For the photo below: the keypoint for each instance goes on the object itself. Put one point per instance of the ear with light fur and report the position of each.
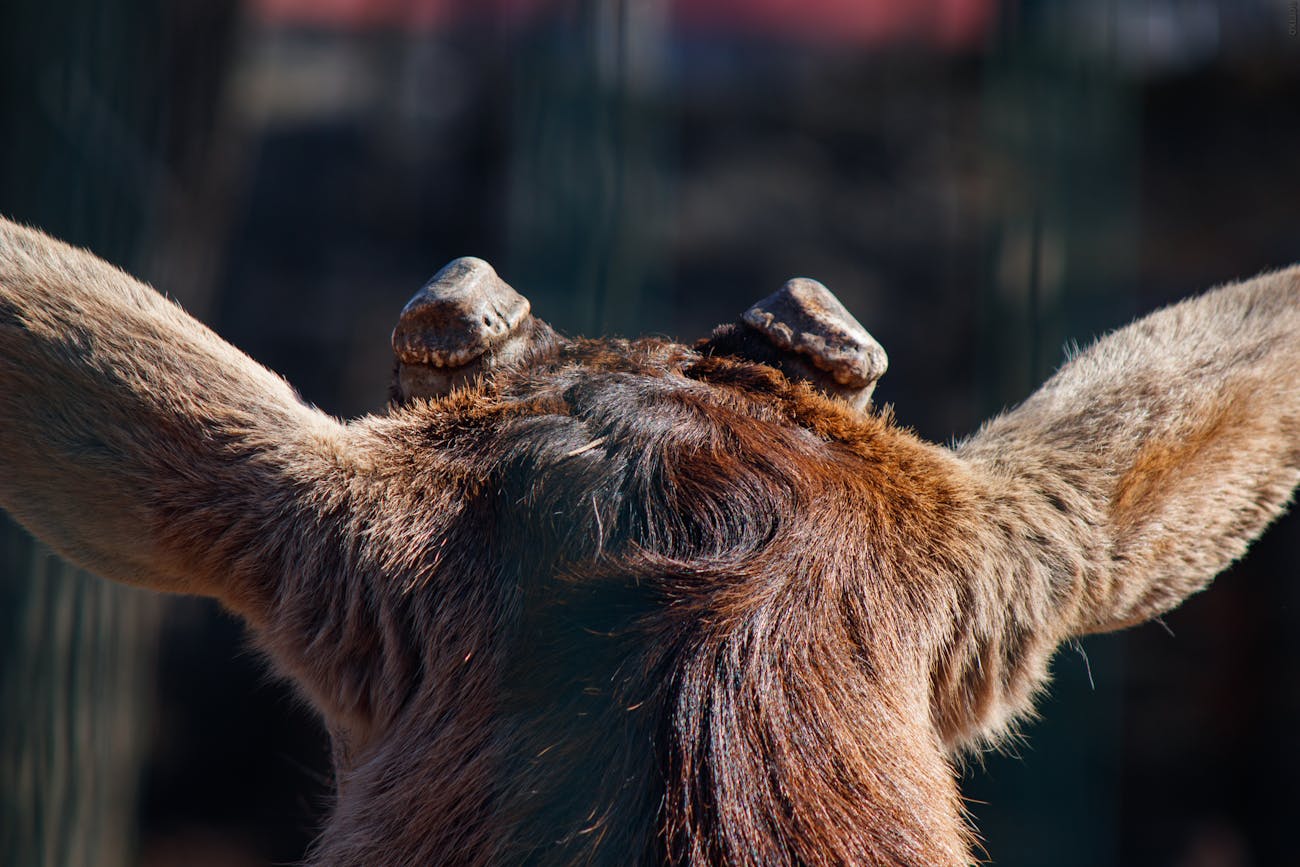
(1143, 468)
(143, 447)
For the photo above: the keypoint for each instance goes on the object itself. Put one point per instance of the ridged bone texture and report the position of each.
(617, 602)
(465, 322)
(804, 319)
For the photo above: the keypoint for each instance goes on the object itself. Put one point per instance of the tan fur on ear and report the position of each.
(1127, 482)
(118, 410)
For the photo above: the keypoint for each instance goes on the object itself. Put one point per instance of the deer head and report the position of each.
(642, 601)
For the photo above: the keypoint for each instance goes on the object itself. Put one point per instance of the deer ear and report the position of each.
(143, 447)
(462, 324)
(1141, 469)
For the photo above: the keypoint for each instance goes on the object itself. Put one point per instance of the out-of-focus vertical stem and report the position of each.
(74, 652)
(80, 90)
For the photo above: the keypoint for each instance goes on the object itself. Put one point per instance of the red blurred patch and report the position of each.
(946, 23)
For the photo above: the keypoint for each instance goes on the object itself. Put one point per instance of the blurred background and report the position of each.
(980, 181)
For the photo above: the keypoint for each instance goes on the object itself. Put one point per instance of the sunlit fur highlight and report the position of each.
(637, 602)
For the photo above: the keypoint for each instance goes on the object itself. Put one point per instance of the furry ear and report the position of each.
(142, 446)
(1145, 466)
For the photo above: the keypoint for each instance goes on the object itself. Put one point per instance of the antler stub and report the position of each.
(463, 312)
(465, 321)
(803, 317)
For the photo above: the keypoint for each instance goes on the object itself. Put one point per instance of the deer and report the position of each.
(634, 601)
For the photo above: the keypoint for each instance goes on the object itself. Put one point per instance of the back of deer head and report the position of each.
(610, 601)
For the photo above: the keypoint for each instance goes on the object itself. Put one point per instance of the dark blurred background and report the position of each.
(980, 181)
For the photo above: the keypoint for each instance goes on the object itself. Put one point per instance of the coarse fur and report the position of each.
(637, 602)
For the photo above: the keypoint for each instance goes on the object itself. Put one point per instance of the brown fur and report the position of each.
(636, 602)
